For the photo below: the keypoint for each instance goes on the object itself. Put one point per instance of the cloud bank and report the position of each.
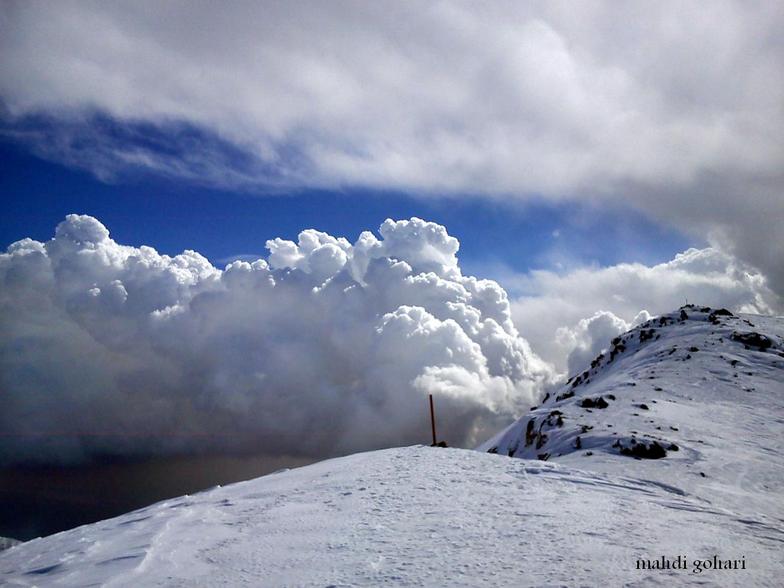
(592, 335)
(586, 307)
(665, 106)
(325, 347)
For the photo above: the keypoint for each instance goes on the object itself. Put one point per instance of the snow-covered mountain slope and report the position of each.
(705, 382)
(6, 542)
(415, 516)
(692, 399)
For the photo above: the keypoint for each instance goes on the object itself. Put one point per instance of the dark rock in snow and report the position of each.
(594, 403)
(646, 335)
(529, 432)
(753, 339)
(713, 317)
(642, 450)
(564, 396)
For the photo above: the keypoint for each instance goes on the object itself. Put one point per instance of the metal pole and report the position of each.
(432, 419)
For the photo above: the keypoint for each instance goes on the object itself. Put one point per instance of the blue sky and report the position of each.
(173, 215)
(505, 122)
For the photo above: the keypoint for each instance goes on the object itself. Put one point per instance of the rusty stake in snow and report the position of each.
(433, 421)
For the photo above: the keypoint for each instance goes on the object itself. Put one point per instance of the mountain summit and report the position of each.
(657, 465)
(693, 398)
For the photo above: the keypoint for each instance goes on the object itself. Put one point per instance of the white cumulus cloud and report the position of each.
(569, 317)
(324, 347)
(590, 336)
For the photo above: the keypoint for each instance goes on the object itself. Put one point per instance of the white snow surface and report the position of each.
(6, 542)
(687, 384)
(421, 516)
(415, 516)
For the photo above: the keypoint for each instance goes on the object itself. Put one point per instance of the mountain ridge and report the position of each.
(693, 390)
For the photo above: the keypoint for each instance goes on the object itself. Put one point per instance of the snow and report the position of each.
(720, 402)
(421, 516)
(414, 516)
(6, 542)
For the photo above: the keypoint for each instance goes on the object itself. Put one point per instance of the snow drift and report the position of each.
(324, 347)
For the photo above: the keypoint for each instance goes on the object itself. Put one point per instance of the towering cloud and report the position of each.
(324, 347)
(591, 335)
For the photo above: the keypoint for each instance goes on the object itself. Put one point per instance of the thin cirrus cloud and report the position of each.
(672, 108)
(324, 347)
